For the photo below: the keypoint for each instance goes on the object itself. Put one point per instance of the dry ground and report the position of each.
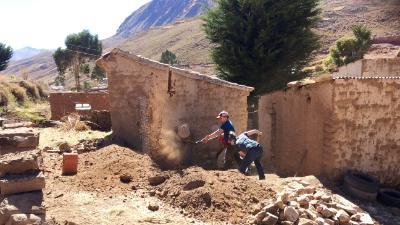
(96, 194)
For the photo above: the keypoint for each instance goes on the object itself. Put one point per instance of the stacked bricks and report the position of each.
(21, 179)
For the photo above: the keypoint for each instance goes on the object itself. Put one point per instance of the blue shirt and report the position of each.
(243, 142)
(227, 126)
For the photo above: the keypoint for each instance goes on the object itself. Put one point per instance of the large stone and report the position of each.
(17, 140)
(20, 162)
(24, 219)
(291, 214)
(260, 216)
(306, 190)
(304, 200)
(320, 221)
(303, 221)
(269, 219)
(271, 208)
(343, 217)
(365, 219)
(157, 180)
(328, 212)
(348, 209)
(26, 203)
(311, 214)
(12, 184)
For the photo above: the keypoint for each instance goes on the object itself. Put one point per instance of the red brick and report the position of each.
(70, 164)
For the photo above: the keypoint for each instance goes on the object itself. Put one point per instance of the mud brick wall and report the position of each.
(63, 104)
(150, 100)
(387, 67)
(292, 122)
(330, 127)
(366, 127)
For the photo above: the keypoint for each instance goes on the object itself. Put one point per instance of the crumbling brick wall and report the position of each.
(150, 100)
(63, 103)
(330, 127)
(382, 67)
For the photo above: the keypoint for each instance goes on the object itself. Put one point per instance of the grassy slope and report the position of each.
(187, 39)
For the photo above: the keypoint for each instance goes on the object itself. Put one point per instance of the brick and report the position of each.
(18, 140)
(20, 162)
(12, 184)
(70, 164)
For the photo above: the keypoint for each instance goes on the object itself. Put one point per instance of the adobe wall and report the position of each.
(292, 122)
(150, 100)
(63, 104)
(366, 127)
(385, 67)
(327, 128)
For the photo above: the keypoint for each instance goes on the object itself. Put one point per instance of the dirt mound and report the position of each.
(209, 195)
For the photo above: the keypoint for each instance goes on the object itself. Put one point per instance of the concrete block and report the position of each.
(19, 162)
(24, 219)
(18, 140)
(11, 184)
(26, 203)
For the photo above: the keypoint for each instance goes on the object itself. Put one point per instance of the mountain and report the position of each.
(26, 52)
(187, 39)
(161, 12)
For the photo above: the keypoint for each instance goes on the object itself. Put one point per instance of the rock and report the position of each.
(348, 209)
(157, 180)
(153, 207)
(24, 219)
(313, 202)
(303, 221)
(284, 197)
(294, 204)
(287, 223)
(326, 198)
(271, 208)
(295, 185)
(329, 221)
(304, 200)
(343, 217)
(269, 219)
(290, 214)
(260, 216)
(328, 212)
(318, 195)
(353, 223)
(279, 204)
(305, 190)
(64, 147)
(365, 219)
(126, 179)
(320, 221)
(311, 214)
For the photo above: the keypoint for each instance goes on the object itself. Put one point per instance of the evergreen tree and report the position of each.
(98, 73)
(6, 53)
(168, 57)
(80, 47)
(262, 43)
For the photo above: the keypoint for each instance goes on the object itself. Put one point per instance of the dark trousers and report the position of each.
(253, 155)
(231, 157)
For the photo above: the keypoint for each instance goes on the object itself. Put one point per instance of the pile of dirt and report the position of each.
(208, 195)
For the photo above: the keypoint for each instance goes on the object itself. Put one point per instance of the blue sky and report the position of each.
(46, 23)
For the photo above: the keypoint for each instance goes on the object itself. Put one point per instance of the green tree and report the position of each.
(85, 69)
(349, 49)
(6, 53)
(98, 73)
(80, 47)
(262, 43)
(168, 57)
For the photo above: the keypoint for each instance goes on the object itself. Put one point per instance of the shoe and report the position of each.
(261, 178)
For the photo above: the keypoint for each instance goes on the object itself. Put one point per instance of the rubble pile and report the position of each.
(304, 204)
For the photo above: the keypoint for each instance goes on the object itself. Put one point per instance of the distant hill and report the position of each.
(188, 41)
(161, 12)
(26, 52)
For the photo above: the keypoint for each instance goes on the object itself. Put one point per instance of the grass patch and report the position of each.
(34, 112)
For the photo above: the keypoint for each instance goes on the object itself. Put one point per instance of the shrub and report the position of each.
(350, 49)
(31, 90)
(19, 93)
(42, 92)
(4, 97)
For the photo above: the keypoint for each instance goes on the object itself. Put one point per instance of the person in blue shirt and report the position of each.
(250, 149)
(222, 134)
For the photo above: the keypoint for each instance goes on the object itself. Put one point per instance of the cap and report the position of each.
(223, 113)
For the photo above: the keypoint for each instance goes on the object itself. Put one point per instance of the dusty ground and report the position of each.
(96, 195)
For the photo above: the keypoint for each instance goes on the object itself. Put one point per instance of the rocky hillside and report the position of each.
(161, 12)
(188, 41)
